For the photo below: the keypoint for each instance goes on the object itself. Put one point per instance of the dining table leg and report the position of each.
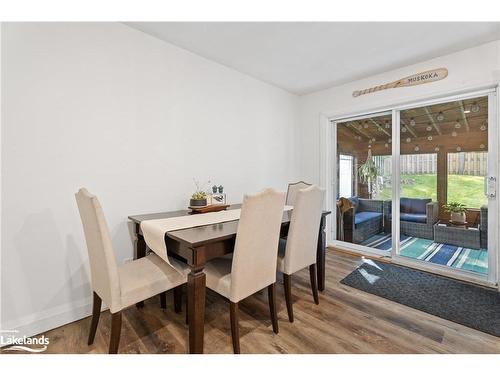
(140, 252)
(196, 309)
(320, 254)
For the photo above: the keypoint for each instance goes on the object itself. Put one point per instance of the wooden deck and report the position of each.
(346, 321)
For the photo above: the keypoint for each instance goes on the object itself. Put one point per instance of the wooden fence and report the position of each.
(468, 163)
(461, 163)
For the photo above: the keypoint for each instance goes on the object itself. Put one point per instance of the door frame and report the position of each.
(328, 178)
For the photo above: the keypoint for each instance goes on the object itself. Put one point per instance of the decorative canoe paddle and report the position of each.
(416, 79)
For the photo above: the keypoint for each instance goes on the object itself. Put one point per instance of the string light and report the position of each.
(385, 124)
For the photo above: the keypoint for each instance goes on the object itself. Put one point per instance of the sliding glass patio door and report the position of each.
(425, 175)
(445, 163)
(364, 181)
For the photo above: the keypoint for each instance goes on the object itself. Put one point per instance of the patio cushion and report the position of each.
(414, 205)
(355, 202)
(405, 204)
(365, 216)
(415, 218)
(418, 206)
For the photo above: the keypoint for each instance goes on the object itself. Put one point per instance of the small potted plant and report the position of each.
(457, 212)
(198, 199)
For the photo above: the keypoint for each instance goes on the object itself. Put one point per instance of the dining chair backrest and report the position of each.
(293, 189)
(302, 239)
(103, 266)
(256, 247)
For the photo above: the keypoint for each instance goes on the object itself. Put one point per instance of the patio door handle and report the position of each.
(491, 187)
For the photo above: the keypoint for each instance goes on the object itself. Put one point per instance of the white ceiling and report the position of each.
(302, 57)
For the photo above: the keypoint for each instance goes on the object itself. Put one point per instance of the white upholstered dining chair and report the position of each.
(298, 250)
(120, 286)
(292, 191)
(253, 265)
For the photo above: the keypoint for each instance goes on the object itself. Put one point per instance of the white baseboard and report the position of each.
(40, 322)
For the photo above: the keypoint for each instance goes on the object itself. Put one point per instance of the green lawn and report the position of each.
(468, 190)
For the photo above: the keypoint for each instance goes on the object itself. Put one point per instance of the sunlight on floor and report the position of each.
(372, 279)
(371, 263)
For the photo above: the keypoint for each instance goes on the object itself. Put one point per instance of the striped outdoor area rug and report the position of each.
(475, 260)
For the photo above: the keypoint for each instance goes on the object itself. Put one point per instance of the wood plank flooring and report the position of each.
(346, 321)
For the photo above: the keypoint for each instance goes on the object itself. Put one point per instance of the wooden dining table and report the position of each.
(198, 245)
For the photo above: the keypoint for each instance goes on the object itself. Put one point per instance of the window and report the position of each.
(346, 168)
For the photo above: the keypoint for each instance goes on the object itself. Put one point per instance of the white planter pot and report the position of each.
(457, 217)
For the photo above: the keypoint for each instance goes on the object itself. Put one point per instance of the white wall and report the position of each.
(471, 68)
(133, 119)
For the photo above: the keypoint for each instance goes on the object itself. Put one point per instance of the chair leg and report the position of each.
(287, 281)
(187, 314)
(116, 328)
(235, 330)
(314, 283)
(96, 312)
(271, 292)
(163, 300)
(178, 299)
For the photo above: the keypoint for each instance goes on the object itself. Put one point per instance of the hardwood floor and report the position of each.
(345, 321)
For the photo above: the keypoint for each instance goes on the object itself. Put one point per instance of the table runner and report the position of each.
(154, 230)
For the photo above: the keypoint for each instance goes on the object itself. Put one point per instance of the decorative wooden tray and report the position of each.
(209, 208)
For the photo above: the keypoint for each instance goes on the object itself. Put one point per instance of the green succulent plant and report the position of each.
(200, 192)
(199, 195)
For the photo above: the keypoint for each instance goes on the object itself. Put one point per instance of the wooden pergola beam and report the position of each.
(344, 131)
(380, 127)
(469, 142)
(408, 128)
(359, 131)
(431, 119)
(464, 118)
